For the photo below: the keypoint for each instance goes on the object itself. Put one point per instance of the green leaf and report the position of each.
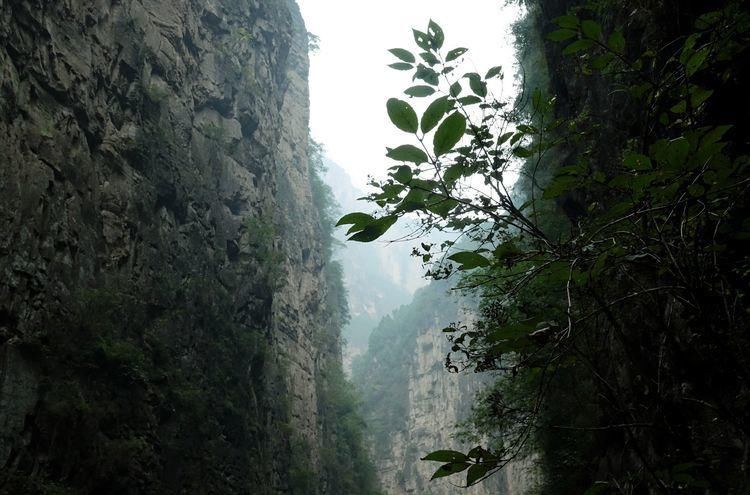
(636, 161)
(420, 91)
(434, 113)
(521, 152)
(441, 205)
(504, 137)
(494, 72)
(453, 172)
(449, 469)
(436, 32)
(475, 473)
(401, 66)
(455, 53)
(591, 29)
(601, 61)
(507, 250)
(455, 89)
(445, 456)
(427, 75)
(407, 153)
(560, 184)
(577, 46)
(714, 135)
(695, 62)
(708, 19)
(403, 55)
(449, 133)
(469, 260)
(469, 100)
(355, 218)
(672, 153)
(478, 86)
(567, 21)
(402, 174)
(598, 488)
(616, 42)
(402, 115)
(422, 40)
(699, 95)
(696, 190)
(374, 230)
(429, 58)
(562, 35)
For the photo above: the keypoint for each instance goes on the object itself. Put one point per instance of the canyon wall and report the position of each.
(414, 406)
(163, 325)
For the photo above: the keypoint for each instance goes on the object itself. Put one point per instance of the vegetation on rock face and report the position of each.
(159, 388)
(346, 465)
(382, 371)
(614, 276)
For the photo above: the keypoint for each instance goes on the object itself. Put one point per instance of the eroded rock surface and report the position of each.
(155, 162)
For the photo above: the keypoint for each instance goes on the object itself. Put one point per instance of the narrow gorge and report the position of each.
(542, 290)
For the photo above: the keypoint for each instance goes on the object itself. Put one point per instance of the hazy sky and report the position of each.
(349, 80)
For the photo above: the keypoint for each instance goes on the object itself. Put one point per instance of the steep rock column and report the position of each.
(157, 245)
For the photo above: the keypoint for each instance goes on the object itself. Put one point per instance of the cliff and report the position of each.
(414, 406)
(163, 317)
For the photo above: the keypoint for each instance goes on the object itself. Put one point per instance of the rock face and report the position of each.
(161, 280)
(414, 406)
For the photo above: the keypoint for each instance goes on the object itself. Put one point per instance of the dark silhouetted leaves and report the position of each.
(434, 113)
(403, 55)
(469, 260)
(455, 53)
(420, 91)
(402, 115)
(407, 153)
(449, 133)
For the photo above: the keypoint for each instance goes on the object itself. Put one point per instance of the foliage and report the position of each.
(124, 369)
(624, 276)
(345, 463)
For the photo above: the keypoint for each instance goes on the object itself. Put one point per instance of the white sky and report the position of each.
(349, 78)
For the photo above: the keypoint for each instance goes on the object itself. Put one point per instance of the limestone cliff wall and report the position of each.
(414, 406)
(161, 280)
